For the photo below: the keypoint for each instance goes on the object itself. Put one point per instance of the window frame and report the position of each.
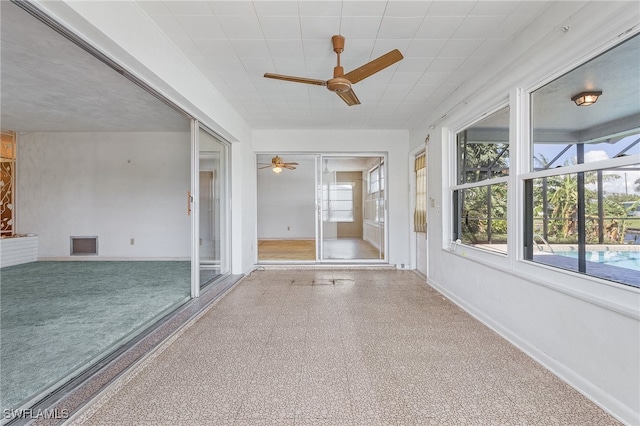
(526, 178)
(328, 190)
(454, 186)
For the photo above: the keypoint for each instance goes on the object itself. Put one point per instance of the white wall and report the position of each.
(585, 330)
(126, 34)
(287, 201)
(117, 186)
(393, 142)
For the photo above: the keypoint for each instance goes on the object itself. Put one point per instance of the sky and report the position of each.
(597, 152)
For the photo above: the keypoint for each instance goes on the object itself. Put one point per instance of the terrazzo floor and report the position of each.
(339, 347)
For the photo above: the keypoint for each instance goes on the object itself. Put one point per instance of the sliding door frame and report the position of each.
(193, 202)
(384, 248)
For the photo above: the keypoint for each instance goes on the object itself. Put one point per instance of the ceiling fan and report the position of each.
(278, 165)
(341, 82)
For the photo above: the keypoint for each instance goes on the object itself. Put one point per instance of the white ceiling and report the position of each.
(50, 84)
(233, 43)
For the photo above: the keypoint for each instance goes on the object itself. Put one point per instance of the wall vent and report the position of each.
(84, 246)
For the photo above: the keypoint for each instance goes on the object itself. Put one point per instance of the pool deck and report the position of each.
(608, 272)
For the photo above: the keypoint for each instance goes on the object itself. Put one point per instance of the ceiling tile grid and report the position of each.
(233, 43)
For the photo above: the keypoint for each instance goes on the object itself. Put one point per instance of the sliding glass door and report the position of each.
(351, 208)
(212, 246)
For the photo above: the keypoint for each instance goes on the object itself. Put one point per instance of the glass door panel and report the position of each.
(212, 186)
(351, 213)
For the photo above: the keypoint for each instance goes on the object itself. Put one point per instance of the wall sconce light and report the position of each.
(586, 98)
(277, 169)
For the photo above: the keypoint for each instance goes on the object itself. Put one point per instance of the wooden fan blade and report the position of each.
(349, 97)
(291, 164)
(374, 66)
(296, 79)
(265, 167)
(286, 166)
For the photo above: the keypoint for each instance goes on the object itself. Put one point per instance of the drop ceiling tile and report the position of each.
(363, 8)
(241, 27)
(214, 65)
(189, 7)
(399, 28)
(404, 8)
(489, 46)
(320, 27)
(434, 77)
(531, 8)
(200, 27)
(281, 27)
(319, 49)
(425, 48)
(320, 8)
(292, 65)
(232, 7)
(320, 65)
(478, 26)
(395, 93)
(248, 91)
(234, 78)
(492, 7)
(407, 78)
(253, 48)
(276, 8)
(360, 27)
(357, 48)
(256, 66)
(511, 26)
(215, 48)
(188, 47)
(440, 27)
(414, 64)
(170, 26)
(280, 48)
(460, 47)
(154, 7)
(451, 8)
(474, 63)
(383, 46)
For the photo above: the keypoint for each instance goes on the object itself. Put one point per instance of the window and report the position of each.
(374, 201)
(338, 202)
(376, 179)
(480, 192)
(584, 186)
(420, 213)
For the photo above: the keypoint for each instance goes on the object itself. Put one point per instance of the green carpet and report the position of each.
(57, 317)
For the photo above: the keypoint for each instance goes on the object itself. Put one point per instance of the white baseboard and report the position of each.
(611, 405)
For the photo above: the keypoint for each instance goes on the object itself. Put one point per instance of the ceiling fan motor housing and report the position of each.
(339, 84)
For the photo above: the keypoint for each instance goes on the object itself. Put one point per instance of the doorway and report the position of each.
(323, 208)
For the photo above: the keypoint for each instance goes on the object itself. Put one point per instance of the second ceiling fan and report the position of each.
(341, 82)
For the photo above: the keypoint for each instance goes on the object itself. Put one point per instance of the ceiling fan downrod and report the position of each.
(338, 83)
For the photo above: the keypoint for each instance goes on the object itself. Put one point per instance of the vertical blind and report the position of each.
(420, 213)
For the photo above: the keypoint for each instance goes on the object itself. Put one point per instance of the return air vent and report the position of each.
(84, 246)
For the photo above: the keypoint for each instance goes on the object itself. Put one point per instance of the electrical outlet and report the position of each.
(288, 228)
(132, 241)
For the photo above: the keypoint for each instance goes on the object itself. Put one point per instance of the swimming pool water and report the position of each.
(622, 259)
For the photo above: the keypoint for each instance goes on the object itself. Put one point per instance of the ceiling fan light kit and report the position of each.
(341, 83)
(278, 164)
